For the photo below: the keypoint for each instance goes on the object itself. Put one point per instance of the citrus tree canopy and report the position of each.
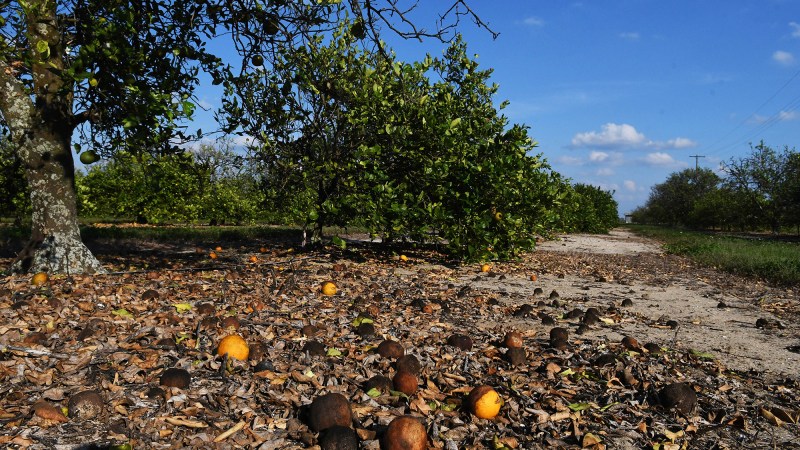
(95, 77)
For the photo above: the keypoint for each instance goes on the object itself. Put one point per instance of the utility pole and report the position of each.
(696, 161)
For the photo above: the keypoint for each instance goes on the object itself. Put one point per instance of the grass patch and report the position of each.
(764, 257)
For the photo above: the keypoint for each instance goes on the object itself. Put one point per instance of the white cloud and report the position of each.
(795, 29)
(625, 136)
(205, 104)
(676, 143)
(598, 156)
(612, 135)
(631, 36)
(533, 21)
(243, 140)
(681, 143)
(661, 159)
(783, 58)
(629, 185)
(781, 116)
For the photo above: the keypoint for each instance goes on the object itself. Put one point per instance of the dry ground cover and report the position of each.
(641, 327)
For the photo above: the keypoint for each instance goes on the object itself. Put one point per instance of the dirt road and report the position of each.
(711, 318)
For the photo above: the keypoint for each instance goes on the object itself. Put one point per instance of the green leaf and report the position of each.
(339, 242)
(702, 355)
(43, 48)
(374, 392)
(567, 373)
(334, 352)
(455, 122)
(188, 108)
(125, 446)
(448, 407)
(182, 307)
(122, 312)
(359, 320)
(399, 394)
(609, 406)
(579, 406)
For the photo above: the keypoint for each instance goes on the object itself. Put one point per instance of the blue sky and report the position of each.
(619, 94)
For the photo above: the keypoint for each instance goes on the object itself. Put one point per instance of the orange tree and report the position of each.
(121, 75)
(411, 151)
(207, 183)
(485, 192)
(593, 210)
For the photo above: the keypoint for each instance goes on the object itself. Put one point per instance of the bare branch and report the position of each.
(397, 19)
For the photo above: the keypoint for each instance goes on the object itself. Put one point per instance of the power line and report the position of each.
(719, 145)
(768, 123)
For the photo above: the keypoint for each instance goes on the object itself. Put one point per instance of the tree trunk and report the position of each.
(55, 245)
(41, 122)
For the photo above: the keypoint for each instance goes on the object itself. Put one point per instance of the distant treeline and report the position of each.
(760, 191)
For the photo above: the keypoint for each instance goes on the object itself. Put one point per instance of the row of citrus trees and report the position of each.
(409, 151)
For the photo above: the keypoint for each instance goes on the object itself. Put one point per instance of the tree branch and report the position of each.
(407, 29)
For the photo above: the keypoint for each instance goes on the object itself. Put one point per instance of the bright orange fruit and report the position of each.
(328, 288)
(39, 279)
(235, 346)
(484, 402)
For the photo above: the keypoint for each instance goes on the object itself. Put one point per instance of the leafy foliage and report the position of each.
(119, 76)
(410, 151)
(597, 211)
(13, 187)
(183, 188)
(760, 190)
(769, 181)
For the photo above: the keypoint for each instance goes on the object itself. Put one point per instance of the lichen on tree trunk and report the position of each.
(40, 119)
(55, 245)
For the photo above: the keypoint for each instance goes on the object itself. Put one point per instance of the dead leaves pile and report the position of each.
(113, 336)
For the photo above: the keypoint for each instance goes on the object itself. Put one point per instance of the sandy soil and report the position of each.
(728, 333)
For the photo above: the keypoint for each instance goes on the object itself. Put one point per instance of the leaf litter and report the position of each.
(115, 335)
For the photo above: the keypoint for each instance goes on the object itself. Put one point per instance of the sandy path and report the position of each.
(729, 334)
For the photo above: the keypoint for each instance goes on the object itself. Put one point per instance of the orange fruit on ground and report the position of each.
(486, 268)
(235, 346)
(212, 255)
(328, 288)
(484, 402)
(263, 250)
(219, 249)
(405, 433)
(403, 258)
(254, 259)
(534, 277)
(39, 279)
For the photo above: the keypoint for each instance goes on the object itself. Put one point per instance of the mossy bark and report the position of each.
(55, 245)
(40, 118)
